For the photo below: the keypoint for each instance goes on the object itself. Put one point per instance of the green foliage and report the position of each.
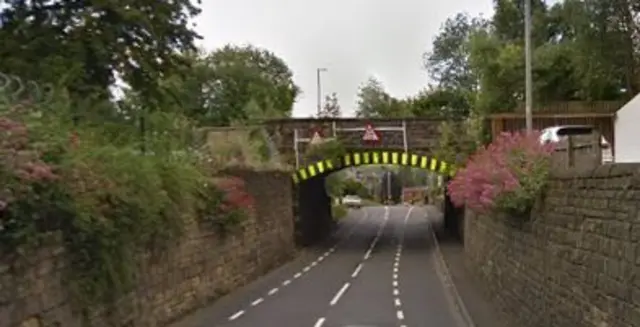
(578, 51)
(331, 107)
(338, 211)
(327, 149)
(225, 203)
(82, 46)
(354, 187)
(121, 201)
(110, 202)
(583, 50)
(233, 84)
(458, 140)
(374, 101)
(508, 175)
(450, 103)
(118, 179)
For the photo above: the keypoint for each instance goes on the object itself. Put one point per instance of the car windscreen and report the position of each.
(566, 131)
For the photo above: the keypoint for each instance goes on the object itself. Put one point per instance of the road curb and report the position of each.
(451, 291)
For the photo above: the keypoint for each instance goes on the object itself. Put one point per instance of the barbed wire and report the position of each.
(14, 89)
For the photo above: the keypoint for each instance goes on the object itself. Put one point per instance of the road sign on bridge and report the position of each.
(316, 138)
(370, 134)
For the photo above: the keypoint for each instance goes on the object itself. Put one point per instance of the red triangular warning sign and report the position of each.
(316, 138)
(370, 134)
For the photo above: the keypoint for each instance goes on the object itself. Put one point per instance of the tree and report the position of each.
(84, 45)
(439, 102)
(218, 87)
(582, 50)
(374, 101)
(331, 106)
(448, 62)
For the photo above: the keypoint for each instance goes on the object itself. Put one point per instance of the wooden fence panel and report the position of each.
(578, 152)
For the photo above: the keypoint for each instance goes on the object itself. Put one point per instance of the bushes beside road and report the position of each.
(107, 192)
(339, 211)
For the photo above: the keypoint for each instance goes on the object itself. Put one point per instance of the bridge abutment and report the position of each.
(453, 223)
(314, 212)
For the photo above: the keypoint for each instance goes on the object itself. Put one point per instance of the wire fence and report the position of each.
(16, 90)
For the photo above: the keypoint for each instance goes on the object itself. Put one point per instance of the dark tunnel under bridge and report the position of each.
(313, 204)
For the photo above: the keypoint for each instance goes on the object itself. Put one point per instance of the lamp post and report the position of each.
(528, 77)
(319, 85)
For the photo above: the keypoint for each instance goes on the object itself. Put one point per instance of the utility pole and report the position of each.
(528, 77)
(319, 85)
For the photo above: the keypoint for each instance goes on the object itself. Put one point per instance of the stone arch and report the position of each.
(361, 158)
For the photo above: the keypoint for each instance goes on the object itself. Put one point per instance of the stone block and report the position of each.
(587, 229)
(201, 267)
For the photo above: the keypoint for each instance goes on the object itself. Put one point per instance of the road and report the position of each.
(380, 271)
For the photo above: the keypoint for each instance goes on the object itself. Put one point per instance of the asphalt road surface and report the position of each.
(379, 271)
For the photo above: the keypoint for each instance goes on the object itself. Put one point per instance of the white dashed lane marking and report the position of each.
(236, 315)
(396, 265)
(356, 271)
(338, 295)
(320, 322)
(305, 270)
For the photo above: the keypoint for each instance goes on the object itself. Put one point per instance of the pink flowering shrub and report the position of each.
(25, 181)
(506, 175)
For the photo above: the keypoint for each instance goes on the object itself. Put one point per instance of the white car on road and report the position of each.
(352, 201)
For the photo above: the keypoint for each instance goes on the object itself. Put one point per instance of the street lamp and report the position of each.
(527, 60)
(318, 71)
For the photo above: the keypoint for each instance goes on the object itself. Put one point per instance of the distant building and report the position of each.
(627, 132)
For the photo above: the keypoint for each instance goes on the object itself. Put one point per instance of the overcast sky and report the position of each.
(353, 39)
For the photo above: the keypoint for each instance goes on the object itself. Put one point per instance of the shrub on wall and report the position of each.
(27, 187)
(109, 201)
(327, 149)
(226, 203)
(507, 175)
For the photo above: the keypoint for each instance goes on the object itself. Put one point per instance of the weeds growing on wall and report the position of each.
(507, 175)
(110, 201)
(327, 149)
(226, 203)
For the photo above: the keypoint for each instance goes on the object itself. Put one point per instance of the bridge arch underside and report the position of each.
(314, 204)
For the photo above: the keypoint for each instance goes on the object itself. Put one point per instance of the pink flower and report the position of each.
(498, 170)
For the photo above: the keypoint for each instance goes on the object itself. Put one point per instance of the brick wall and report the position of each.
(203, 267)
(576, 263)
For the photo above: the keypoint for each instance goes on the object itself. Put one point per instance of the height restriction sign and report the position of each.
(370, 134)
(317, 137)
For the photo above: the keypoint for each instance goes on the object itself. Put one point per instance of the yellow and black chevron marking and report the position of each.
(373, 158)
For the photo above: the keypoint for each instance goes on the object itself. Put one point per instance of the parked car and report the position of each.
(352, 201)
(558, 133)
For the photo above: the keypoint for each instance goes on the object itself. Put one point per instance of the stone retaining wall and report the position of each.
(577, 263)
(201, 268)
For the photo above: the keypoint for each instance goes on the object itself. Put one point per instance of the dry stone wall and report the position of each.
(577, 263)
(202, 267)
